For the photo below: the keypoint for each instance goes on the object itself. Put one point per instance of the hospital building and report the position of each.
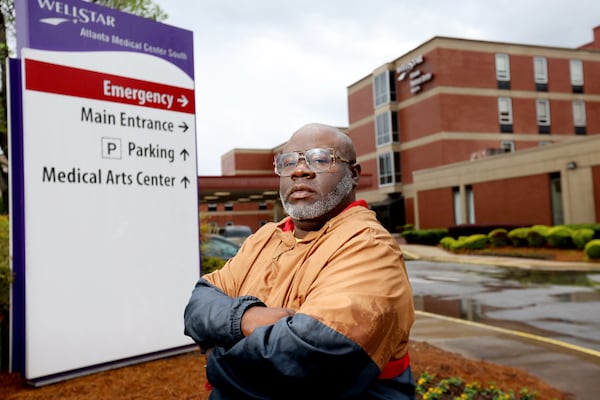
(455, 131)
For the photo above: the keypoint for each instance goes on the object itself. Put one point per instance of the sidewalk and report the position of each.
(567, 367)
(433, 253)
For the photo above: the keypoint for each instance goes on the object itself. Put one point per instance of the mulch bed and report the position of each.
(182, 377)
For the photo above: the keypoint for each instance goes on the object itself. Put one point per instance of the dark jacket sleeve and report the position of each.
(297, 357)
(212, 318)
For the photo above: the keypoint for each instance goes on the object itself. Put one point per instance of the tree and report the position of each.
(142, 8)
(7, 27)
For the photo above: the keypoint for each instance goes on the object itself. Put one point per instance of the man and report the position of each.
(317, 306)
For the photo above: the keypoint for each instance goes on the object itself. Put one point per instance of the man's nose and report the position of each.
(302, 169)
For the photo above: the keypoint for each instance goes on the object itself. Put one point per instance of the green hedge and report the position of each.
(425, 236)
(560, 236)
(593, 227)
(210, 264)
(574, 236)
(499, 237)
(536, 236)
(518, 237)
(582, 236)
(592, 249)
(474, 242)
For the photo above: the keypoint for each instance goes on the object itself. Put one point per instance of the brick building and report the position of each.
(465, 131)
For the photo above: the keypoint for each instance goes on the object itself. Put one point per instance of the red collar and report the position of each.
(288, 225)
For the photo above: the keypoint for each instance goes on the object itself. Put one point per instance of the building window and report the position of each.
(576, 69)
(503, 71)
(558, 217)
(542, 107)
(384, 88)
(579, 119)
(212, 207)
(540, 73)
(458, 206)
(505, 115)
(389, 169)
(228, 206)
(386, 128)
(508, 146)
(262, 206)
(470, 204)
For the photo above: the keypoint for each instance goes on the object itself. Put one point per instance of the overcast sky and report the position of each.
(263, 68)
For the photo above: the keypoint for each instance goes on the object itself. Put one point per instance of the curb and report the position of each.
(591, 352)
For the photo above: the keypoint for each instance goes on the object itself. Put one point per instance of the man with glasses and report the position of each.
(317, 305)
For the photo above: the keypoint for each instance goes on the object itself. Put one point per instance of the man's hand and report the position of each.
(262, 316)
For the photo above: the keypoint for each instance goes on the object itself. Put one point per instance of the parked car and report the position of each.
(218, 247)
(235, 233)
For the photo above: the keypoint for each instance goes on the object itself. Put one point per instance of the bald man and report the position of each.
(317, 305)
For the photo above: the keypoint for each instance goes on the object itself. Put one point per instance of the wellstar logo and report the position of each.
(78, 15)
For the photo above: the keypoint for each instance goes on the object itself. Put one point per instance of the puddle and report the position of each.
(562, 305)
(536, 277)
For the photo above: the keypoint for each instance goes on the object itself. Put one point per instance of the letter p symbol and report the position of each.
(111, 148)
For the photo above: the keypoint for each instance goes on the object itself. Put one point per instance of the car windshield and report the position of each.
(215, 246)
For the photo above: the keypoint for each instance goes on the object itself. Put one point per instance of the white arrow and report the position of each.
(183, 100)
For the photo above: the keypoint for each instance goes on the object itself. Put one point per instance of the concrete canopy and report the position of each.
(238, 189)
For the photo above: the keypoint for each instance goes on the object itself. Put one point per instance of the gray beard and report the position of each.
(322, 206)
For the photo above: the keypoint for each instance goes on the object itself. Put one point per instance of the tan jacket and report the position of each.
(350, 275)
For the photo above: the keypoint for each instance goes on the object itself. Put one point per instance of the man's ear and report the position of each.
(355, 173)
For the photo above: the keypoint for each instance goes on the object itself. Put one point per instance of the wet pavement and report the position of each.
(552, 304)
(566, 366)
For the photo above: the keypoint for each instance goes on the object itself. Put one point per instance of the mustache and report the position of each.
(297, 188)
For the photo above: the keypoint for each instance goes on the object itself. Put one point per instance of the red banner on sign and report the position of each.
(58, 79)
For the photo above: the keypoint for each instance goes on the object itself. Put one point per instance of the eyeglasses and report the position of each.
(318, 160)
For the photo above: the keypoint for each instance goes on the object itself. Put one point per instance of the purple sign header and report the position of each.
(76, 25)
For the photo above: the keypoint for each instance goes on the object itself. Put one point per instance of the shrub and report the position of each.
(210, 264)
(447, 242)
(405, 227)
(518, 236)
(475, 242)
(592, 249)
(536, 235)
(459, 244)
(425, 236)
(594, 227)
(457, 231)
(6, 278)
(6, 275)
(582, 236)
(559, 236)
(535, 239)
(499, 237)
